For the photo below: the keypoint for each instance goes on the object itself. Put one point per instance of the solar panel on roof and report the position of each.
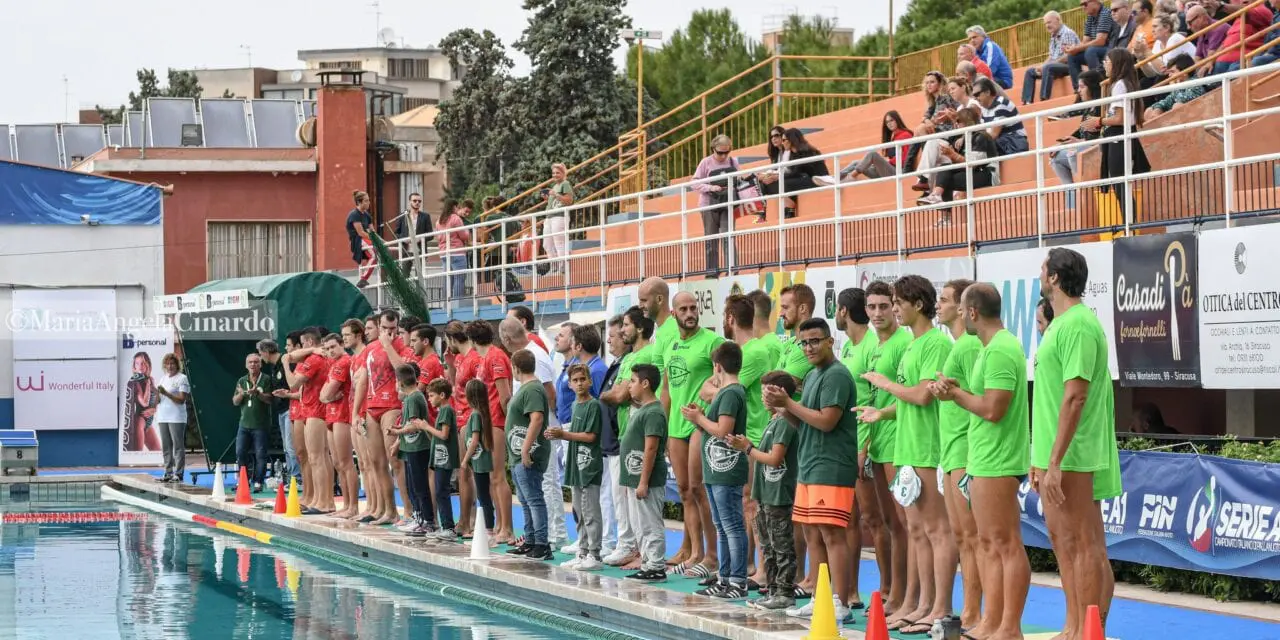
(115, 135)
(226, 123)
(82, 140)
(165, 117)
(133, 132)
(37, 144)
(275, 123)
(6, 151)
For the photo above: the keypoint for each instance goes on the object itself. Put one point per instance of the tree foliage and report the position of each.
(470, 122)
(709, 50)
(929, 23)
(181, 84)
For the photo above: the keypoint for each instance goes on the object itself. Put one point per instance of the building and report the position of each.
(773, 30)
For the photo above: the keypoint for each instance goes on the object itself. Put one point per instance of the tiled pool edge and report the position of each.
(635, 607)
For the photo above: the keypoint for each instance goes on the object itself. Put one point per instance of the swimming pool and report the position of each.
(158, 578)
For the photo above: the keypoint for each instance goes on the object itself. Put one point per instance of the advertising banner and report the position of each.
(1016, 275)
(140, 356)
(56, 324)
(620, 299)
(172, 304)
(827, 283)
(1155, 310)
(64, 394)
(1200, 513)
(1240, 308)
(222, 300)
(710, 302)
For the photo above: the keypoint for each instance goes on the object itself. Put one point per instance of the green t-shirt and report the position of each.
(647, 354)
(773, 344)
(663, 335)
(721, 463)
(646, 421)
(584, 465)
(481, 459)
(776, 486)
(755, 363)
(414, 406)
(953, 420)
(255, 413)
(792, 359)
(444, 451)
(884, 358)
(528, 399)
(1001, 449)
(829, 457)
(917, 444)
(854, 358)
(688, 365)
(1075, 346)
(560, 188)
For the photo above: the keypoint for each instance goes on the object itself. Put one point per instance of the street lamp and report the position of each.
(637, 37)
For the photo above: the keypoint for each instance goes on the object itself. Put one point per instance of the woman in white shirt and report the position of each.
(1169, 44)
(1119, 65)
(171, 415)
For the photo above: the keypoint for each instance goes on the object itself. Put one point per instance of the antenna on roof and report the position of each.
(387, 37)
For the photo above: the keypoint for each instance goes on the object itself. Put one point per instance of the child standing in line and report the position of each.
(644, 472)
(479, 455)
(444, 453)
(724, 471)
(584, 469)
(528, 453)
(414, 449)
(775, 488)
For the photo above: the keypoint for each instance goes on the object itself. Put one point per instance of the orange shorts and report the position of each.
(823, 504)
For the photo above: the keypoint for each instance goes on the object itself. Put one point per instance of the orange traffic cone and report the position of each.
(282, 503)
(242, 488)
(1093, 624)
(877, 628)
(243, 555)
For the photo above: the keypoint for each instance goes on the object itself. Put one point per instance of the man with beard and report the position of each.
(382, 407)
(795, 305)
(336, 394)
(688, 365)
(353, 339)
(636, 331)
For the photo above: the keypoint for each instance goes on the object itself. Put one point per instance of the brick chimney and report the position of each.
(340, 160)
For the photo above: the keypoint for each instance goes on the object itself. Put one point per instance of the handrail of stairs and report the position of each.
(1212, 58)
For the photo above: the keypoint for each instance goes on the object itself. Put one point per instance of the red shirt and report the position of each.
(982, 68)
(536, 339)
(496, 366)
(382, 392)
(466, 368)
(429, 368)
(340, 372)
(316, 370)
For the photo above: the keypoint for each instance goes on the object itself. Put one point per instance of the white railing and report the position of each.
(583, 274)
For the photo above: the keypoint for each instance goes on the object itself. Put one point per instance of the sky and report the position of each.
(69, 54)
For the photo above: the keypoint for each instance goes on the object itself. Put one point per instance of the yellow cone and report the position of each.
(823, 624)
(292, 578)
(293, 510)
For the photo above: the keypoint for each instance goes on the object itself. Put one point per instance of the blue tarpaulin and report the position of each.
(38, 195)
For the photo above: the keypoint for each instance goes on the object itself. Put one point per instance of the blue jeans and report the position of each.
(726, 512)
(290, 456)
(457, 281)
(532, 502)
(1266, 58)
(259, 438)
(1092, 57)
(1046, 73)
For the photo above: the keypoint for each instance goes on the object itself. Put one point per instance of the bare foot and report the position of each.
(634, 564)
(387, 518)
(681, 557)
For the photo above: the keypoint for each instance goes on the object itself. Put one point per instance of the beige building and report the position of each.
(774, 27)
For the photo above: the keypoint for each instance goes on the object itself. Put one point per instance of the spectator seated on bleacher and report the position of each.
(1144, 33)
(1271, 42)
(1208, 43)
(931, 155)
(795, 177)
(952, 181)
(966, 53)
(1124, 25)
(937, 103)
(1181, 94)
(991, 53)
(998, 111)
(1093, 46)
(1168, 46)
(1061, 37)
(1254, 20)
(875, 165)
(1063, 161)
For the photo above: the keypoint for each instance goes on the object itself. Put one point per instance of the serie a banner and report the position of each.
(1184, 511)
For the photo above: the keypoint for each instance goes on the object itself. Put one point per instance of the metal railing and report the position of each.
(1195, 189)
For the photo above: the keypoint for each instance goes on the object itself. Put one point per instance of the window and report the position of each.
(246, 249)
(342, 64)
(408, 69)
(413, 103)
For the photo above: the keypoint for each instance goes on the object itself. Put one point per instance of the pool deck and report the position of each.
(648, 610)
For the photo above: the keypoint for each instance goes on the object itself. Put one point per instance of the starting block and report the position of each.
(19, 453)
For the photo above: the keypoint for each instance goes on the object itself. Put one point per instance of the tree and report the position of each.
(470, 122)
(709, 50)
(929, 23)
(181, 84)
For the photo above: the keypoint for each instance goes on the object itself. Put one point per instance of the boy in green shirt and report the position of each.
(775, 487)
(528, 452)
(444, 453)
(644, 474)
(724, 470)
(584, 468)
(253, 396)
(415, 449)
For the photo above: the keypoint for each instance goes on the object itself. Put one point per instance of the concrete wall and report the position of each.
(129, 259)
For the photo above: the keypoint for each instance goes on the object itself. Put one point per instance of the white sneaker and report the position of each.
(843, 613)
(618, 557)
(590, 564)
(571, 549)
(571, 563)
(801, 612)
(929, 199)
(407, 526)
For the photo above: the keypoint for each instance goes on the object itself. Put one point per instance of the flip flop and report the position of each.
(366, 519)
(922, 628)
(902, 624)
(677, 570)
(801, 594)
(752, 585)
(855, 606)
(698, 571)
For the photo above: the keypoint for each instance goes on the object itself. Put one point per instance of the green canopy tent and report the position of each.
(214, 363)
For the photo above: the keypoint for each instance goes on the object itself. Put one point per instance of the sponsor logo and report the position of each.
(635, 463)
(1199, 529)
(515, 438)
(441, 455)
(1215, 522)
(127, 341)
(1240, 258)
(1115, 512)
(720, 456)
(413, 437)
(32, 384)
(1157, 517)
(1024, 490)
(677, 371)
(775, 474)
(584, 458)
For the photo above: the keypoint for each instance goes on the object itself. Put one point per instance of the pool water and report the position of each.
(159, 578)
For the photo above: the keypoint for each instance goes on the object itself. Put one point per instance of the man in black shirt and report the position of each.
(273, 369)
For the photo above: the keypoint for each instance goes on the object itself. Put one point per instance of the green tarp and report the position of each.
(213, 366)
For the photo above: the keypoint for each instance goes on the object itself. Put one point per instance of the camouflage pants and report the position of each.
(776, 535)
